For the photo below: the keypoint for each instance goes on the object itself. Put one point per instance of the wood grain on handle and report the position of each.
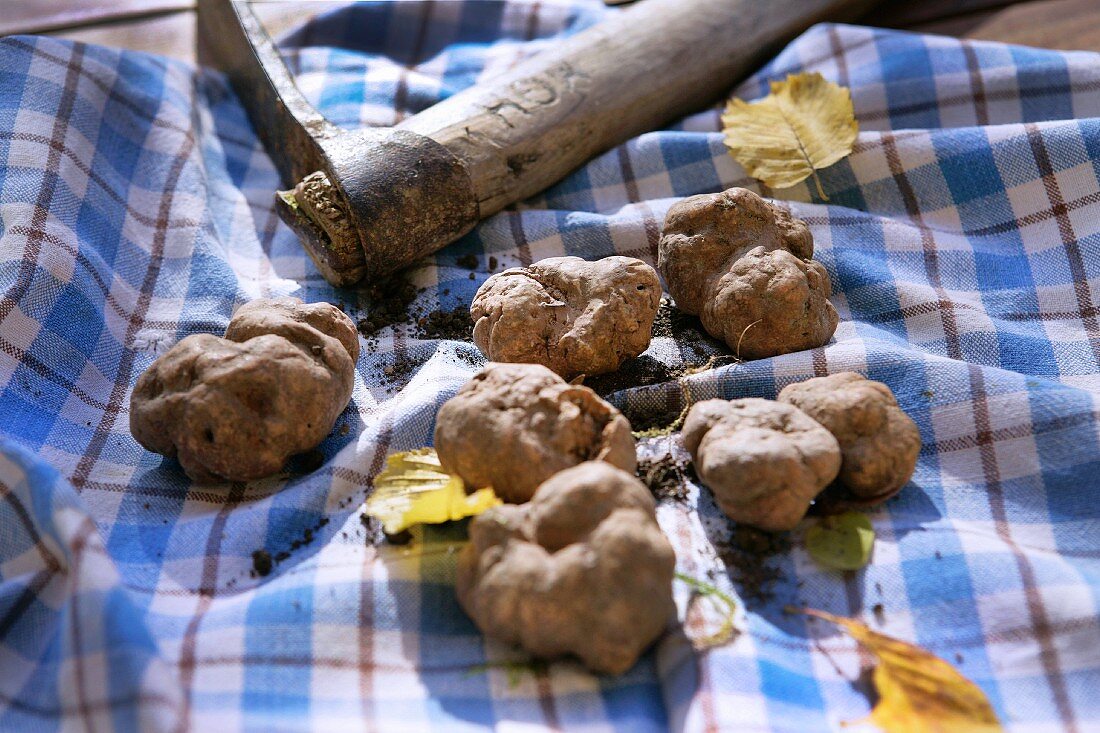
(644, 67)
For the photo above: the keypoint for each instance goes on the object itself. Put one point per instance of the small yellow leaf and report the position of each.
(918, 691)
(841, 542)
(413, 489)
(805, 124)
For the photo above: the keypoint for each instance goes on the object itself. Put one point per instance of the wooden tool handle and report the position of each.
(382, 199)
(644, 67)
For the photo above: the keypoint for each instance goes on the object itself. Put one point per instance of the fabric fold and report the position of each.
(962, 237)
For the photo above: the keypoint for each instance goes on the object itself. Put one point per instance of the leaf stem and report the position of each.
(820, 190)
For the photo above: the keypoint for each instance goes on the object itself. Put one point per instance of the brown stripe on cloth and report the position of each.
(941, 647)
(366, 596)
(208, 588)
(630, 183)
(653, 237)
(820, 361)
(213, 497)
(85, 531)
(45, 196)
(704, 693)
(853, 594)
(43, 370)
(932, 306)
(1048, 655)
(41, 578)
(60, 147)
(991, 229)
(111, 91)
(80, 258)
(967, 99)
(531, 31)
(401, 92)
(928, 245)
(837, 49)
(977, 86)
(366, 662)
(547, 702)
(136, 321)
(1069, 238)
(1040, 216)
(862, 146)
(515, 224)
(994, 490)
(126, 701)
(1015, 432)
(923, 308)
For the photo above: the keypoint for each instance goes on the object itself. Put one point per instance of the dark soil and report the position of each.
(837, 499)
(403, 537)
(746, 555)
(697, 351)
(394, 303)
(667, 477)
(453, 325)
(308, 462)
(258, 557)
(400, 369)
(389, 303)
(261, 563)
(372, 528)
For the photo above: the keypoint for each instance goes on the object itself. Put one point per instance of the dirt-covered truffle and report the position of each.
(765, 461)
(582, 569)
(236, 408)
(568, 314)
(514, 425)
(878, 441)
(743, 266)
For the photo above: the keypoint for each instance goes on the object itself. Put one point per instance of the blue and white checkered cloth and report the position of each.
(963, 240)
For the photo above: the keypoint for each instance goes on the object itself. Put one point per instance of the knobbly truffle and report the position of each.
(570, 315)
(765, 461)
(744, 267)
(583, 569)
(879, 443)
(235, 408)
(514, 425)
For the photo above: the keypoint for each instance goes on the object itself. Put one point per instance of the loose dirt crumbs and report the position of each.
(372, 528)
(261, 563)
(697, 352)
(454, 325)
(746, 555)
(666, 477)
(388, 304)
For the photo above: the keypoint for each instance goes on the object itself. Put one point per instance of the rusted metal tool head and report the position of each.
(368, 202)
(354, 188)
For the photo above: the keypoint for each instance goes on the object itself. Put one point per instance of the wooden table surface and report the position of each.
(168, 26)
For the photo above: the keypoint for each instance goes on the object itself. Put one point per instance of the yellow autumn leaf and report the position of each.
(805, 124)
(413, 489)
(842, 542)
(918, 691)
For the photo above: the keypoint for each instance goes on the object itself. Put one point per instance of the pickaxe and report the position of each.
(370, 201)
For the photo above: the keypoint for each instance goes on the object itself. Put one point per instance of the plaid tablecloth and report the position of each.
(963, 240)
